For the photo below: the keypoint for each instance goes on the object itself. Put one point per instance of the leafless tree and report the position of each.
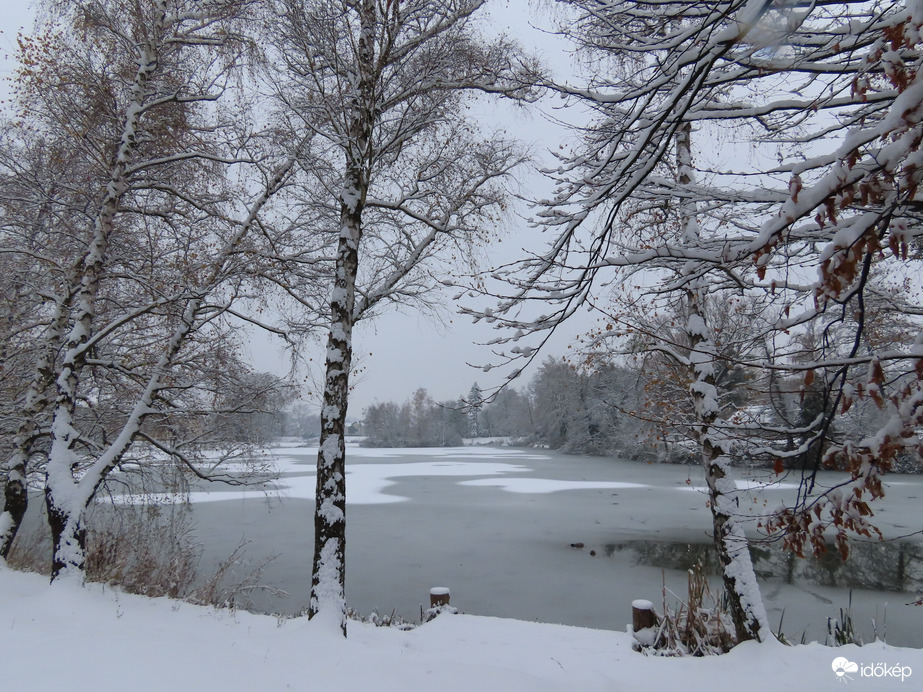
(398, 179)
(815, 219)
(140, 246)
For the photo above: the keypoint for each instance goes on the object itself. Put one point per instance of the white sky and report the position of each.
(15, 16)
(409, 350)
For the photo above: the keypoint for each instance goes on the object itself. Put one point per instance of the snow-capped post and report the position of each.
(643, 622)
(439, 596)
(642, 615)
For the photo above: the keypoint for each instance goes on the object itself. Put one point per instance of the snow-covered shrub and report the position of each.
(393, 620)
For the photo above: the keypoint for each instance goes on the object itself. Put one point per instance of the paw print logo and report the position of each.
(842, 667)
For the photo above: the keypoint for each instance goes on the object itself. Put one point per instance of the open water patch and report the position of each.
(895, 566)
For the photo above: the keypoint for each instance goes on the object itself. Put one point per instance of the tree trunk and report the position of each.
(15, 503)
(68, 537)
(733, 548)
(744, 601)
(66, 517)
(328, 579)
(16, 493)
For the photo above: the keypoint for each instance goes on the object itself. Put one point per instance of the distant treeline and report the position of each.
(575, 409)
(639, 410)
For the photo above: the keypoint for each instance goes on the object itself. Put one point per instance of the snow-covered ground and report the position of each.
(66, 637)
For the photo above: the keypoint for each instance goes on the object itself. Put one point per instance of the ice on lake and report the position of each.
(498, 526)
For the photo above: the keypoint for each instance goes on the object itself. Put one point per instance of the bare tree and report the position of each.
(818, 218)
(139, 298)
(33, 189)
(397, 178)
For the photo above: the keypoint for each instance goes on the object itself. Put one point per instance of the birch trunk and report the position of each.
(64, 509)
(73, 477)
(384, 84)
(740, 585)
(328, 579)
(16, 494)
(67, 498)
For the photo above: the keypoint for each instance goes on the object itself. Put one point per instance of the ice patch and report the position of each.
(365, 483)
(354, 451)
(744, 485)
(549, 485)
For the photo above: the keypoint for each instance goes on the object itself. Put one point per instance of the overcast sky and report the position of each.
(400, 352)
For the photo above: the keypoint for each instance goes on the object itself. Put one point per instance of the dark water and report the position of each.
(895, 566)
(511, 554)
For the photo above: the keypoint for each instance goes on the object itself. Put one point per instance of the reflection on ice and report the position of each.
(435, 516)
(747, 485)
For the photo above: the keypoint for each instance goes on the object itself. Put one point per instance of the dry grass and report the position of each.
(148, 550)
(699, 626)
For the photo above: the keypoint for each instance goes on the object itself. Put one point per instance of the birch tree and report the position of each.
(399, 179)
(637, 168)
(138, 300)
(32, 191)
(816, 218)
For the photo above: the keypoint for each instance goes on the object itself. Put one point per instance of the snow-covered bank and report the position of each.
(71, 638)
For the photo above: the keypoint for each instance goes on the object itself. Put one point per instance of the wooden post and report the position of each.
(642, 615)
(439, 596)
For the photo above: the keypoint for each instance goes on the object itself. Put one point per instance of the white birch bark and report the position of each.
(328, 580)
(72, 479)
(744, 601)
(382, 85)
(65, 507)
(69, 532)
(16, 496)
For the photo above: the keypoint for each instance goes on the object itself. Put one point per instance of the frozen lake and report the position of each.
(537, 535)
